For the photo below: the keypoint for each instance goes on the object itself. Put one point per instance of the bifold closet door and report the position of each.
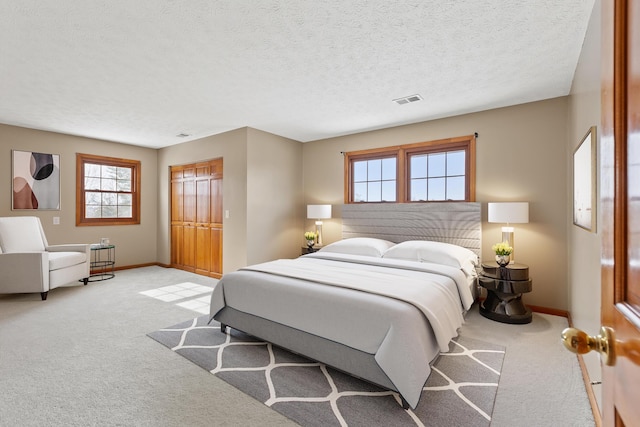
(196, 217)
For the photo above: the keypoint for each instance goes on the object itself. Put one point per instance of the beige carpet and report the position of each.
(82, 358)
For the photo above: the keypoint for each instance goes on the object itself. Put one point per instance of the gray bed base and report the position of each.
(341, 357)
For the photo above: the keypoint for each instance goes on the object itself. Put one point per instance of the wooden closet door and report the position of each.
(216, 215)
(177, 209)
(189, 220)
(196, 217)
(203, 219)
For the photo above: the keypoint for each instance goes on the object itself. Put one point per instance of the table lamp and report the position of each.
(509, 213)
(318, 212)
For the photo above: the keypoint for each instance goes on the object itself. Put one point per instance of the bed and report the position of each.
(380, 304)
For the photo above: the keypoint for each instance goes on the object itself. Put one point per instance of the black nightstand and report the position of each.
(505, 286)
(310, 249)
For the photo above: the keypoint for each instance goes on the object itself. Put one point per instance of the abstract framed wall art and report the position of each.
(35, 181)
(584, 182)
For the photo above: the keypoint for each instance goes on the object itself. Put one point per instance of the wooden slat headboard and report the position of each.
(459, 223)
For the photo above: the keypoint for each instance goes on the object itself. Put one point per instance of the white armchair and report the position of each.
(28, 264)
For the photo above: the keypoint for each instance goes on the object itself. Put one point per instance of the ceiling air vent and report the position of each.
(408, 99)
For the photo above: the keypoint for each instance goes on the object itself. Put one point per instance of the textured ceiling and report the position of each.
(143, 71)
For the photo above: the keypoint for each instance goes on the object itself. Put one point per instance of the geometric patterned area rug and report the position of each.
(460, 391)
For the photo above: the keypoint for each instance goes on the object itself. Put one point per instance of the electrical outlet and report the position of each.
(56, 220)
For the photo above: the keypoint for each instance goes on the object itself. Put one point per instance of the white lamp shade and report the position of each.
(318, 211)
(509, 212)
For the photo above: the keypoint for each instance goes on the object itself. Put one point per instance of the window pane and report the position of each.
(108, 184)
(92, 198)
(437, 165)
(108, 171)
(455, 188)
(124, 212)
(109, 212)
(123, 185)
(91, 183)
(418, 190)
(374, 190)
(389, 169)
(359, 171)
(124, 200)
(92, 170)
(455, 163)
(436, 189)
(109, 199)
(92, 212)
(375, 170)
(419, 166)
(389, 191)
(360, 192)
(123, 173)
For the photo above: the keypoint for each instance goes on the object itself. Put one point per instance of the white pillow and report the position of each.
(367, 246)
(435, 252)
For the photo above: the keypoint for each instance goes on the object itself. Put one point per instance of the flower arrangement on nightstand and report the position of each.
(310, 237)
(503, 253)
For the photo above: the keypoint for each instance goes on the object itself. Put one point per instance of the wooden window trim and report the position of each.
(81, 159)
(376, 153)
(402, 154)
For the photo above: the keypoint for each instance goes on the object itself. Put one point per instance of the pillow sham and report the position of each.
(436, 252)
(367, 246)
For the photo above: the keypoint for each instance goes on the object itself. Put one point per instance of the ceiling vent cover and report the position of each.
(408, 99)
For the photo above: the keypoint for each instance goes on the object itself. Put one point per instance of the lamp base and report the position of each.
(507, 236)
(319, 232)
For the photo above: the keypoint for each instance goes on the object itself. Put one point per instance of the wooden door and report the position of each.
(196, 217)
(203, 219)
(620, 204)
(215, 186)
(177, 209)
(189, 220)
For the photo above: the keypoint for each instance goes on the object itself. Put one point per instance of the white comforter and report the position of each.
(389, 308)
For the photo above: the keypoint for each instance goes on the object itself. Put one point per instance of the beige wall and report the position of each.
(521, 156)
(274, 197)
(135, 244)
(583, 246)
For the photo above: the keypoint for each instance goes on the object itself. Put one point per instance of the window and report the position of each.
(374, 180)
(442, 170)
(437, 176)
(107, 190)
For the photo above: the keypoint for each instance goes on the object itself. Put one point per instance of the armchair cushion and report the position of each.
(21, 234)
(58, 260)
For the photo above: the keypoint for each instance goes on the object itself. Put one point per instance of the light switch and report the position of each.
(56, 220)
(226, 214)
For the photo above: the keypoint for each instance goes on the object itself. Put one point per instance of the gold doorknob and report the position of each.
(579, 342)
